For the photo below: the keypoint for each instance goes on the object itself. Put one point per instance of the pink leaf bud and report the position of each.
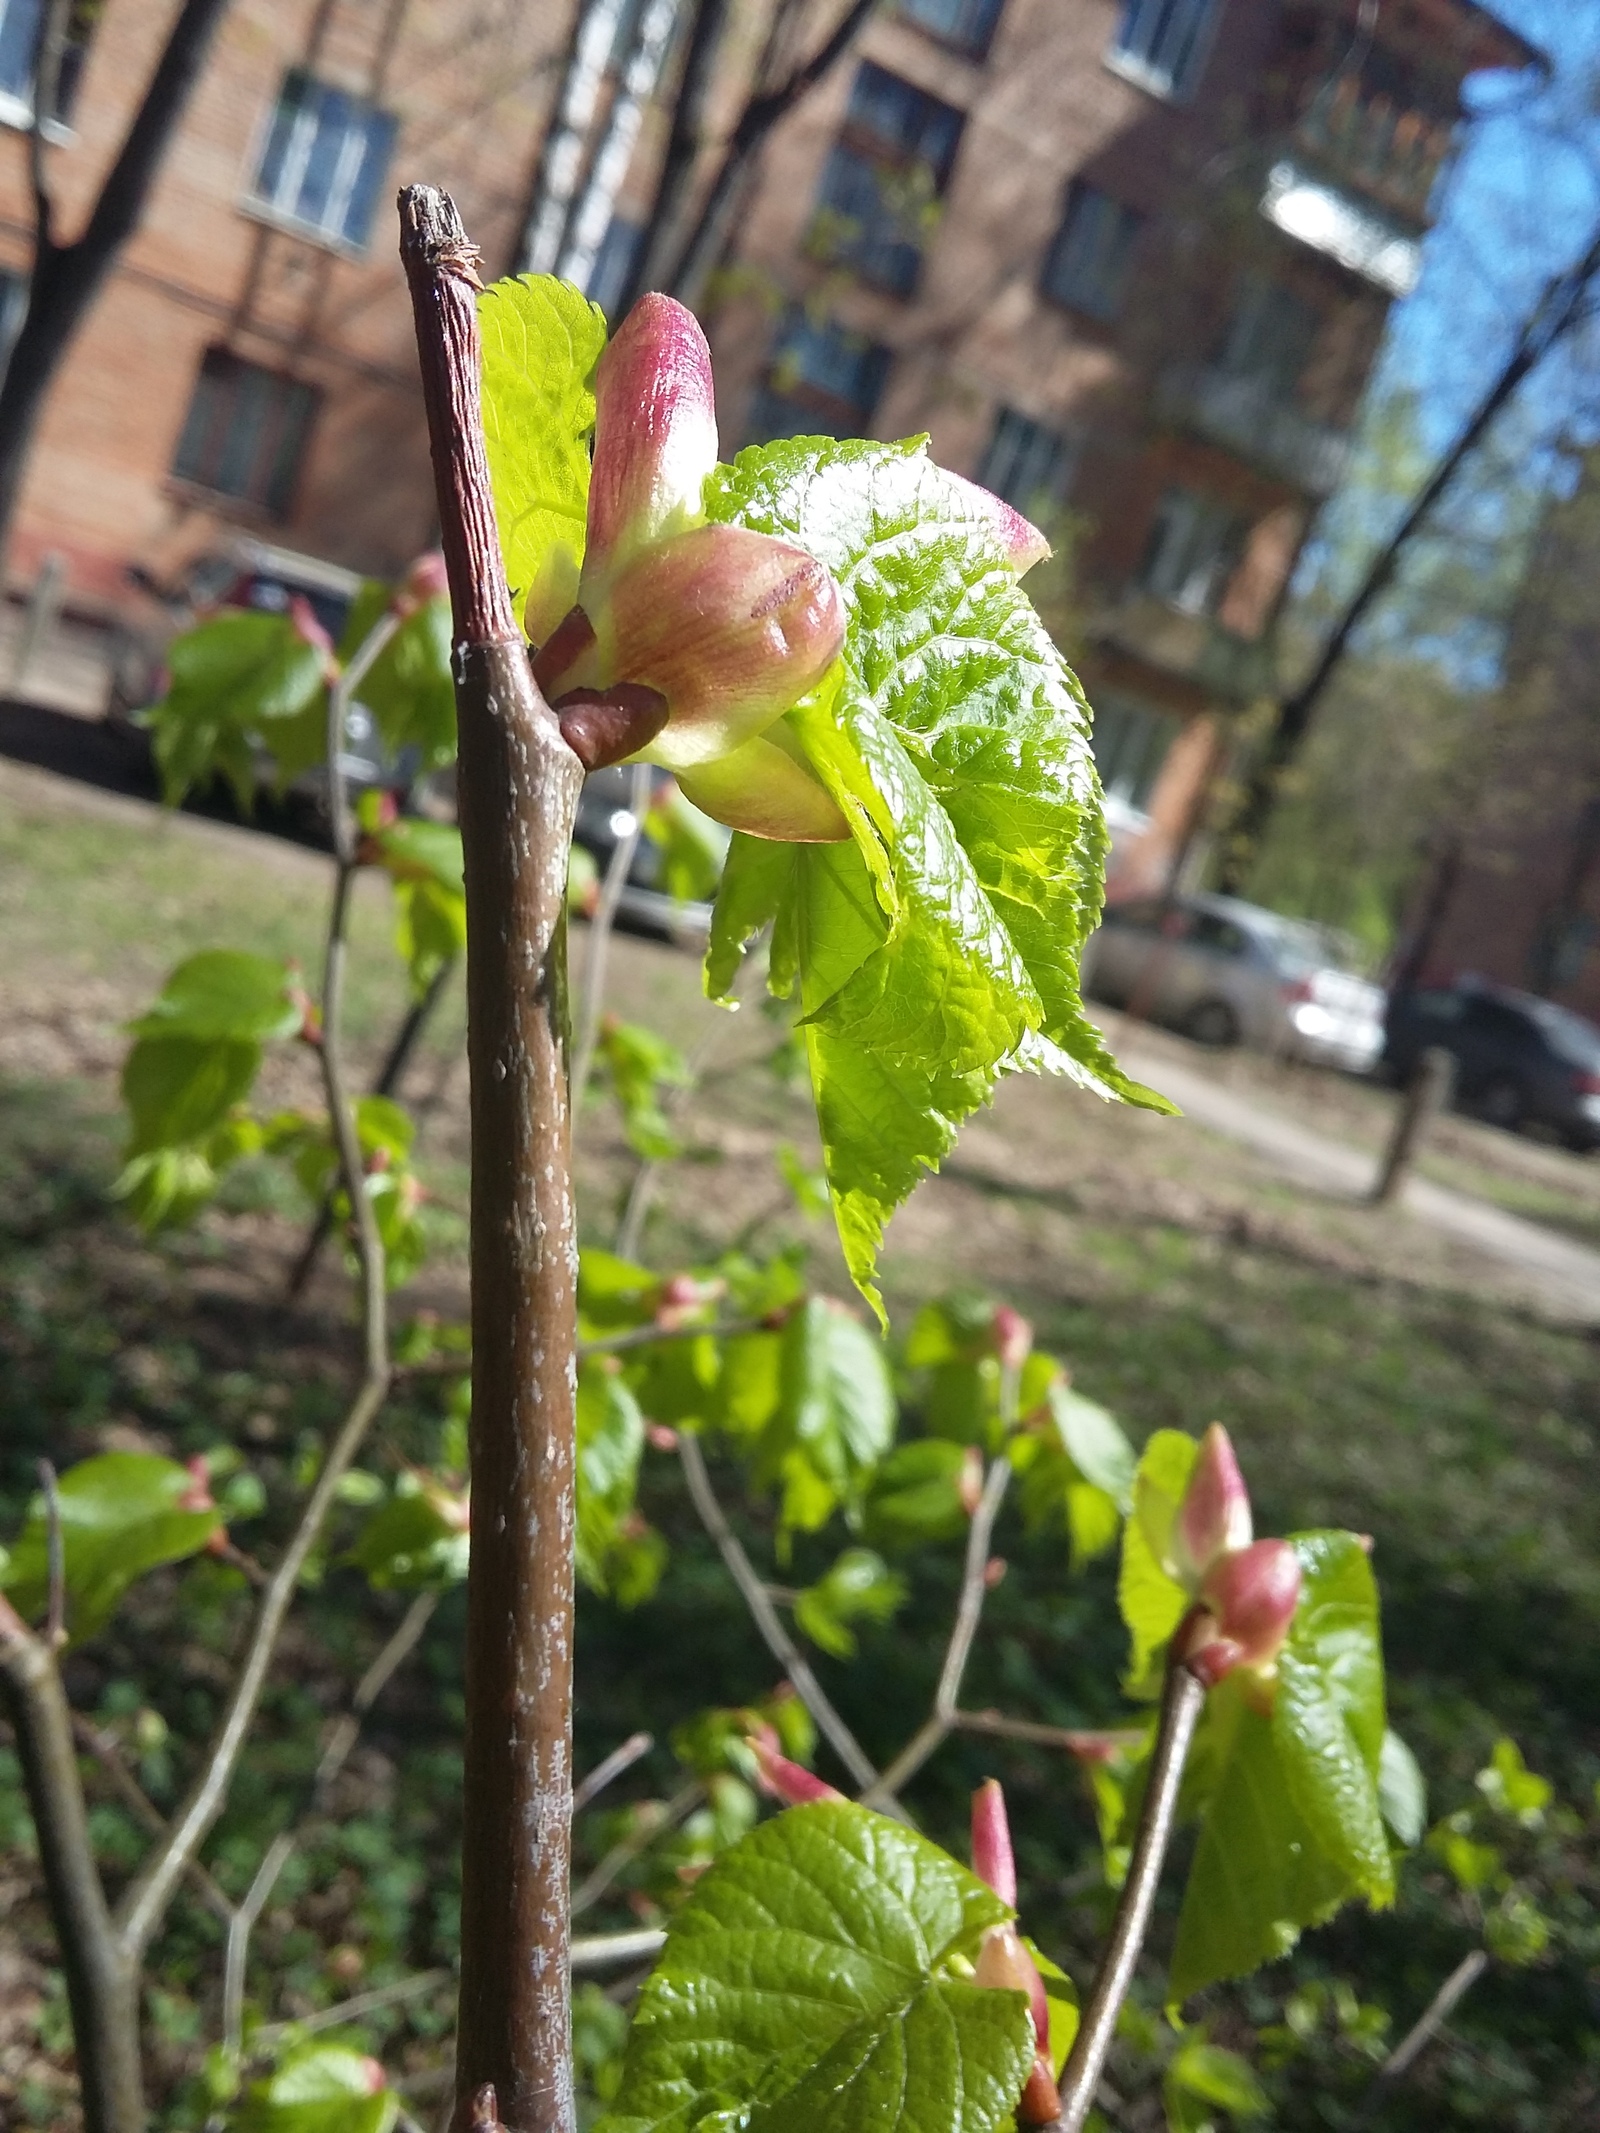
(373, 2076)
(1022, 541)
(732, 627)
(1013, 1337)
(992, 1859)
(994, 1572)
(660, 1438)
(303, 617)
(786, 1781)
(655, 438)
(197, 1496)
(1247, 1603)
(970, 1484)
(1005, 1964)
(682, 1297)
(1214, 1517)
(424, 581)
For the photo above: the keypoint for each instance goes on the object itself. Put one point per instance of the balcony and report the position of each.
(1194, 648)
(1245, 415)
(1366, 141)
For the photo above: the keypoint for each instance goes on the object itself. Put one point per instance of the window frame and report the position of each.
(1051, 492)
(812, 397)
(1081, 193)
(1133, 67)
(260, 207)
(872, 155)
(976, 49)
(295, 416)
(16, 105)
(1205, 510)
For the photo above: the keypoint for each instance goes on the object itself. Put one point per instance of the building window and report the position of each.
(1027, 463)
(824, 382)
(246, 430)
(13, 310)
(1269, 338)
(1130, 743)
(883, 180)
(324, 161)
(1195, 545)
(967, 25)
(1161, 44)
(19, 36)
(1088, 265)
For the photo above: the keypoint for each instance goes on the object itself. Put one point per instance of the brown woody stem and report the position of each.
(519, 784)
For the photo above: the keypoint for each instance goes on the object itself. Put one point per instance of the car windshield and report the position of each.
(1567, 1033)
(1297, 947)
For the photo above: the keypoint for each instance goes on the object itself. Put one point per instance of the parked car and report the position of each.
(1520, 1061)
(1226, 972)
(605, 818)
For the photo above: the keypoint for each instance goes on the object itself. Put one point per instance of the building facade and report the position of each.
(1127, 262)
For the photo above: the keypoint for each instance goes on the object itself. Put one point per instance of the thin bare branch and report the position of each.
(644, 1833)
(270, 2034)
(607, 1772)
(1183, 1699)
(107, 1752)
(1423, 2031)
(648, 1336)
(969, 1612)
(777, 1638)
(606, 1951)
(996, 1725)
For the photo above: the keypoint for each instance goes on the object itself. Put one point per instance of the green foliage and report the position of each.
(806, 1983)
(1077, 1469)
(835, 1417)
(858, 1587)
(1402, 1790)
(417, 1541)
(408, 687)
(236, 682)
(1292, 1828)
(319, 2088)
(940, 946)
(423, 859)
(639, 1065)
(541, 342)
(1153, 1602)
(918, 1495)
(691, 845)
(122, 1514)
(1202, 2079)
(617, 1552)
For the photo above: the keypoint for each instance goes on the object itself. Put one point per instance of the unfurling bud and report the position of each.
(373, 2076)
(303, 619)
(655, 433)
(1004, 1963)
(786, 1781)
(1013, 1337)
(1247, 1603)
(992, 1857)
(970, 1484)
(1214, 1518)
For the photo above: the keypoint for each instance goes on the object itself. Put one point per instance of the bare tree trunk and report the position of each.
(67, 277)
(1559, 308)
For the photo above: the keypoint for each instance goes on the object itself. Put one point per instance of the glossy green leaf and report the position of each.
(408, 688)
(941, 945)
(223, 992)
(1402, 1790)
(836, 1413)
(416, 1542)
(858, 1587)
(320, 2088)
(232, 680)
(122, 1514)
(916, 1495)
(541, 342)
(802, 1989)
(424, 861)
(1153, 1603)
(1094, 1440)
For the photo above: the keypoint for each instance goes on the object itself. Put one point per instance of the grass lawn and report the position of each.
(1374, 1375)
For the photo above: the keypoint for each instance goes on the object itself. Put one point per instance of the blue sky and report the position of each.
(1518, 203)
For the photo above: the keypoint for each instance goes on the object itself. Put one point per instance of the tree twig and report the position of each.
(518, 784)
(610, 1769)
(1423, 2031)
(270, 2034)
(969, 1610)
(639, 1839)
(107, 1752)
(604, 1951)
(778, 1640)
(1182, 1700)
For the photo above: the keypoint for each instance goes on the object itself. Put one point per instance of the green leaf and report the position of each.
(1328, 1715)
(1093, 1440)
(1293, 1827)
(408, 688)
(941, 945)
(541, 342)
(180, 1089)
(916, 1495)
(801, 1990)
(1153, 1603)
(639, 1065)
(610, 1446)
(1202, 2073)
(417, 1542)
(424, 861)
(859, 1587)
(836, 1413)
(1402, 1790)
(1511, 1787)
(691, 845)
(121, 1515)
(320, 2088)
(223, 992)
(232, 680)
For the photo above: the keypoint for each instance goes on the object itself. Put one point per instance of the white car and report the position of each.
(1225, 972)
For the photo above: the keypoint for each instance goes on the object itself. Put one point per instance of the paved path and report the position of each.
(1565, 1274)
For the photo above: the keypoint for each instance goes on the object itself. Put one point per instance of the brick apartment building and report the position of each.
(1130, 262)
(1127, 261)
(1515, 895)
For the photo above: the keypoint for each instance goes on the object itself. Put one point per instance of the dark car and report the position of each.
(606, 818)
(1520, 1061)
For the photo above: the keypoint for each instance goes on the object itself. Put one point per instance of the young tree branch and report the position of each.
(610, 1769)
(1423, 2031)
(1182, 1700)
(519, 785)
(945, 1716)
(777, 1639)
(107, 1752)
